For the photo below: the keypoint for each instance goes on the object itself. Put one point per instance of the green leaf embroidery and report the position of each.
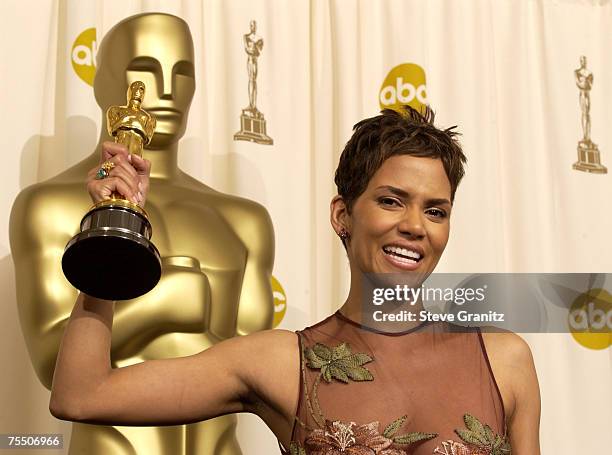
(296, 449)
(334, 363)
(322, 351)
(338, 363)
(337, 373)
(489, 434)
(471, 438)
(504, 447)
(394, 426)
(411, 438)
(341, 351)
(314, 361)
(472, 423)
(482, 436)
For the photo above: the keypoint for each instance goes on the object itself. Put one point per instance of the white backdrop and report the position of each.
(501, 70)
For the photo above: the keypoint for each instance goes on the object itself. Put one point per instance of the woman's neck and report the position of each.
(382, 303)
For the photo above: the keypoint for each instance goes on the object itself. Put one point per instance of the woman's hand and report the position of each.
(129, 175)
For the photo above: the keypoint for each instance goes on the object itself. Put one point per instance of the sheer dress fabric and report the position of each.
(428, 390)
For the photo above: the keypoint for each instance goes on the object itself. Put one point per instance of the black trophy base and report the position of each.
(110, 259)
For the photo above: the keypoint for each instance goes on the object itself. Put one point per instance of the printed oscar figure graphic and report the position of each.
(588, 152)
(252, 121)
(217, 250)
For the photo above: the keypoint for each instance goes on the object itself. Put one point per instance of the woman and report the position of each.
(349, 384)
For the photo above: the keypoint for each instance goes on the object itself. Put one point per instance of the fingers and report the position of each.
(142, 166)
(111, 149)
(129, 176)
(103, 189)
(127, 181)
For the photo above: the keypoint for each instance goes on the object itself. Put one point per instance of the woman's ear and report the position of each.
(339, 216)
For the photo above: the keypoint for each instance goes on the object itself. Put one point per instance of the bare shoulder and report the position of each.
(508, 347)
(271, 373)
(269, 356)
(513, 367)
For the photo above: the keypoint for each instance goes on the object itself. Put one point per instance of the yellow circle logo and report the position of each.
(590, 319)
(405, 84)
(83, 55)
(280, 301)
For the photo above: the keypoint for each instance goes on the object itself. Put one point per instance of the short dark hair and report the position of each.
(391, 133)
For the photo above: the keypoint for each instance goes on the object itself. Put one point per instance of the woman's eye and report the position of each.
(388, 201)
(438, 213)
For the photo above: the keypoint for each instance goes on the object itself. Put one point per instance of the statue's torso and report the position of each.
(123, 117)
(584, 79)
(187, 222)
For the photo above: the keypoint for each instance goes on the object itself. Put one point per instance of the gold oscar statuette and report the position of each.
(113, 257)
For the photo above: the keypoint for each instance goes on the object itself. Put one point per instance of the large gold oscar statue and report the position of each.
(217, 250)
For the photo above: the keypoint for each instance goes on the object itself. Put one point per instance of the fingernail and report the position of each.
(140, 186)
(140, 198)
(130, 157)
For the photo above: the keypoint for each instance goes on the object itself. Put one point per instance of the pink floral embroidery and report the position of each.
(340, 438)
(477, 439)
(457, 448)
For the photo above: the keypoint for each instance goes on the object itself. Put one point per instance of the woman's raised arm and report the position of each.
(256, 373)
(230, 376)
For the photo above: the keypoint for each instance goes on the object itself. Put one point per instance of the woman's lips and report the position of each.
(400, 262)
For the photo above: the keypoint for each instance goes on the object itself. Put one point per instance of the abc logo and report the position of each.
(404, 85)
(590, 319)
(280, 301)
(83, 55)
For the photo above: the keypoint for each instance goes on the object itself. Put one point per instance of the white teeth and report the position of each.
(403, 260)
(403, 251)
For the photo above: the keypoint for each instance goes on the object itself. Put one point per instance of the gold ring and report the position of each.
(107, 166)
(104, 170)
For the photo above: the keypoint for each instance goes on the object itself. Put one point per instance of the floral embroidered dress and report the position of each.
(429, 390)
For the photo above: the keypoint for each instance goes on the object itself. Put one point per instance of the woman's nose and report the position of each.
(412, 223)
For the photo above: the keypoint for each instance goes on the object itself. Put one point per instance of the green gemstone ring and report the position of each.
(102, 174)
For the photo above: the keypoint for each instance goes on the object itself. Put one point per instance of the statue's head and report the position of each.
(253, 26)
(136, 92)
(156, 49)
(583, 61)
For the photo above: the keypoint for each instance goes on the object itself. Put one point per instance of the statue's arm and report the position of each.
(38, 234)
(150, 127)
(253, 226)
(112, 115)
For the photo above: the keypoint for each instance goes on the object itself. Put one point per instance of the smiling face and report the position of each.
(401, 222)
